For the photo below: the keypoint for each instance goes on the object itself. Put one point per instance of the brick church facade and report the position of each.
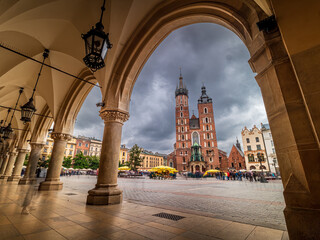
(196, 148)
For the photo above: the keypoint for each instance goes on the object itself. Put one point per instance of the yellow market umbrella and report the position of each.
(213, 171)
(126, 168)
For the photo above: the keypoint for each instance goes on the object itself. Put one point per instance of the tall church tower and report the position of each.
(208, 138)
(183, 141)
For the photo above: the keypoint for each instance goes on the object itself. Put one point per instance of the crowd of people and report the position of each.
(248, 175)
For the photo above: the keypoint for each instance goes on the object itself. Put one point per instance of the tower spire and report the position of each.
(180, 80)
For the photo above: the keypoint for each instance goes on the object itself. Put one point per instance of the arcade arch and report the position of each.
(291, 111)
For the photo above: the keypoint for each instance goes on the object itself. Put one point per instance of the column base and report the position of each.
(50, 185)
(14, 179)
(104, 195)
(27, 181)
(4, 178)
(302, 223)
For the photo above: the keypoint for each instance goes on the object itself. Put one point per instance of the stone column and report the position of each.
(30, 174)
(52, 181)
(106, 190)
(16, 175)
(4, 164)
(11, 161)
(294, 137)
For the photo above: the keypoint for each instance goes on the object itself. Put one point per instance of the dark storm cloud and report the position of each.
(208, 54)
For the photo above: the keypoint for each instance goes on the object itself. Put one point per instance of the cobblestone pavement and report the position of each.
(254, 203)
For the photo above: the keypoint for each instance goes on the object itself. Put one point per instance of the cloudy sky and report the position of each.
(208, 54)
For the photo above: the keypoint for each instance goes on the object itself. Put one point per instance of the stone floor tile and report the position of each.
(80, 218)
(285, 236)
(197, 236)
(46, 235)
(166, 228)
(58, 222)
(151, 232)
(124, 234)
(263, 233)
(4, 220)
(211, 227)
(77, 232)
(235, 231)
(19, 218)
(8, 231)
(33, 226)
(101, 227)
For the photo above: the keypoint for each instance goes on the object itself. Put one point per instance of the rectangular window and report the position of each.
(70, 153)
(259, 147)
(272, 143)
(45, 150)
(79, 144)
(47, 143)
(248, 140)
(239, 165)
(273, 150)
(257, 139)
(249, 148)
(86, 144)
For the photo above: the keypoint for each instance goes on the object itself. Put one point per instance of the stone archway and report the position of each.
(293, 131)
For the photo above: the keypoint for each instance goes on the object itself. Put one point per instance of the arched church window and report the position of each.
(195, 138)
(182, 129)
(181, 115)
(208, 144)
(207, 120)
(181, 108)
(208, 136)
(182, 137)
(205, 110)
(207, 127)
(181, 121)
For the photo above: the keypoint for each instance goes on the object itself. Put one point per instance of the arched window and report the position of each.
(207, 120)
(195, 138)
(205, 110)
(250, 158)
(182, 129)
(182, 137)
(208, 136)
(181, 108)
(181, 115)
(252, 167)
(207, 127)
(182, 145)
(208, 144)
(181, 121)
(184, 159)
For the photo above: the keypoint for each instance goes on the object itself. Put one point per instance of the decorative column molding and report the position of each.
(16, 175)
(114, 115)
(30, 174)
(9, 165)
(61, 136)
(52, 181)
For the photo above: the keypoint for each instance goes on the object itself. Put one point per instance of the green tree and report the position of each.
(44, 163)
(67, 162)
(26, 160)
(94, 162)
(80, 161)
(135, 159)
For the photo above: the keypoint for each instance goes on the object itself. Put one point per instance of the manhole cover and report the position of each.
(168, 216)
(69, 194)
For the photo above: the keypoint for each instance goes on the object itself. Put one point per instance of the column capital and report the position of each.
(13, 154)
(114, 115)
(21, 150)
(61, 136)
(35, 145)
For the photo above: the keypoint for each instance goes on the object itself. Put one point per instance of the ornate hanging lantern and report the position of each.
(8, 129)
(29, 109)
(97, 44)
